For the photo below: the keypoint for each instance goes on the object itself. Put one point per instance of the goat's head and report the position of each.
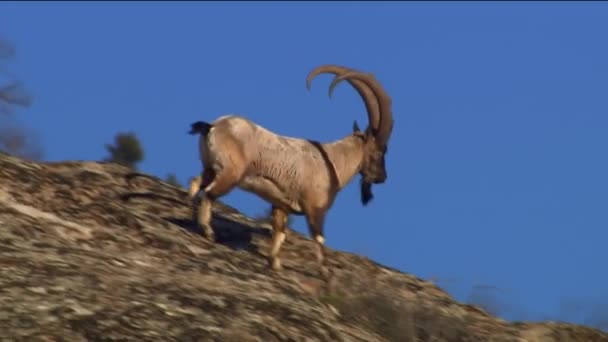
(375, 137)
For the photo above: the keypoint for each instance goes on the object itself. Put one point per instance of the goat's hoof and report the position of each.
(275, 264)
(209, 234)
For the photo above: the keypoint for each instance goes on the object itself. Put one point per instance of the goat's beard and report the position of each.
(366, 192)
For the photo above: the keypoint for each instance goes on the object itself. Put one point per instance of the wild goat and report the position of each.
(296, 176)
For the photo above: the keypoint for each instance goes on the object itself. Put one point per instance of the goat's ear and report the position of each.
(356, 128)
(356, 131)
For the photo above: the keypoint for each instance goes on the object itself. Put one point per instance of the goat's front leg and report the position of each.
(316, 220)
(279, 220)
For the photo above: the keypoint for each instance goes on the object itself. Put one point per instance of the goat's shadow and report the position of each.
(232, 234)
(235, 235)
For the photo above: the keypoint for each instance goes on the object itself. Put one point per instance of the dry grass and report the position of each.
(396, 320)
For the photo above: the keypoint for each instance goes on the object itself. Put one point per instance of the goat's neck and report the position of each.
(346, 155)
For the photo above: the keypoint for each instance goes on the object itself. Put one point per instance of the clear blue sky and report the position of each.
(497, 164)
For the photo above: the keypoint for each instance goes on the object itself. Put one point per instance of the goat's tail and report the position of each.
(200, 127)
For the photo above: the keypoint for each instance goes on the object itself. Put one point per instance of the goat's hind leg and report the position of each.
(279, 220)
(195, 187)
(218, 186)
(200, 182)
(201, 209)
(204, 217)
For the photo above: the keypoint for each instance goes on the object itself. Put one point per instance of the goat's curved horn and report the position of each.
(385, 125)
(368, 96)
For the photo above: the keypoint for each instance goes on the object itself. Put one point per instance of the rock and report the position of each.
(86, 255)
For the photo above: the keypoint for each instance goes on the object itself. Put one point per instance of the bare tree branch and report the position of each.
(14, 139)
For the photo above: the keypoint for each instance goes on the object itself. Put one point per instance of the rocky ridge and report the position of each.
(89, 253)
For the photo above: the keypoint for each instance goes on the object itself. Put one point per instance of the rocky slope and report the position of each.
(87, 253)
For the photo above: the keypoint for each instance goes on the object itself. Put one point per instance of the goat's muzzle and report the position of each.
(380, 179)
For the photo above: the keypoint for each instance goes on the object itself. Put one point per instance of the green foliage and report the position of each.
(172, 179)
(126, 151)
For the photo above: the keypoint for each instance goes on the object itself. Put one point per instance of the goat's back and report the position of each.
(296, 167)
